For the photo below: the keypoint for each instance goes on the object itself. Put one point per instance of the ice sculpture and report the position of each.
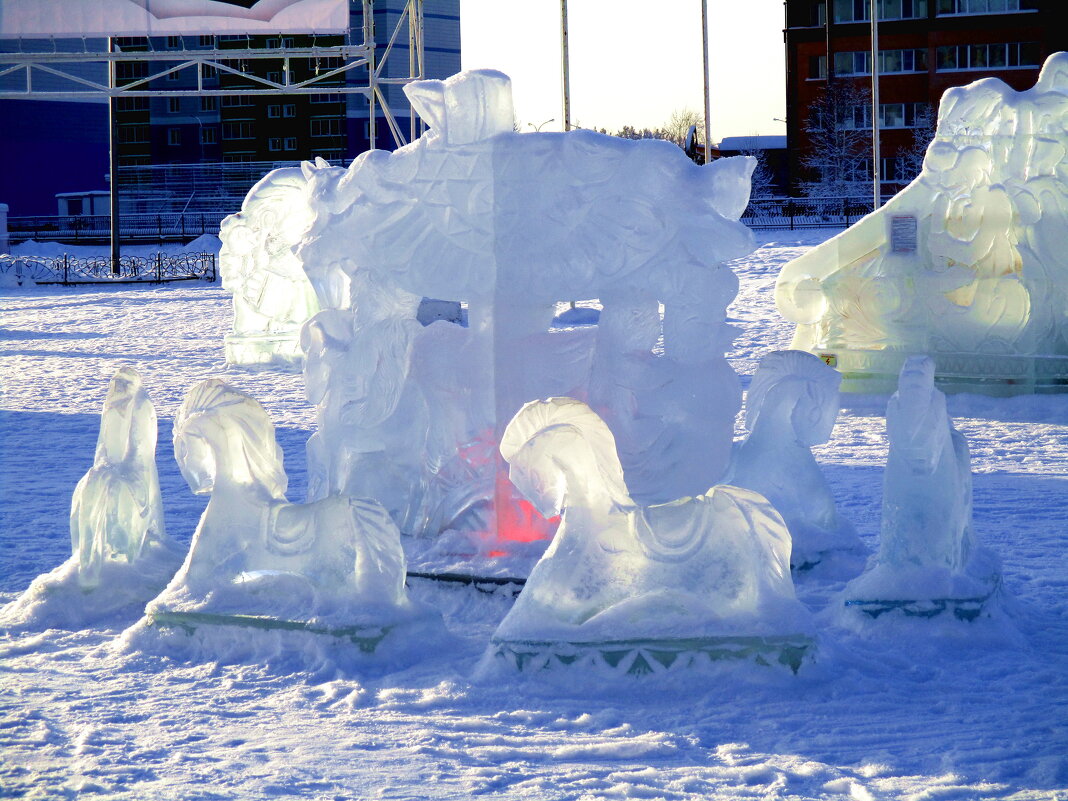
(333, 568)
(121, 555)
(511, 224)
(928, 560)
(641, 589)
(272, 297)
(791, 405)
(965, 264)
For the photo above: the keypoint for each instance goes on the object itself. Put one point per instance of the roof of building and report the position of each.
(752, 143)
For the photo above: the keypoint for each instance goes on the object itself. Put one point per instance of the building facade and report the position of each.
(925, 47)
(195, 152)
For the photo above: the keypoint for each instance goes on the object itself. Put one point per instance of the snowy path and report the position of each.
(965, 713)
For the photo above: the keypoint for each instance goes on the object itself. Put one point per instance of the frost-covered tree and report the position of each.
(922, 135)
(679, 124)
(838, 128)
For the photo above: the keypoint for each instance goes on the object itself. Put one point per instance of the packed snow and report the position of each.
(911, 708)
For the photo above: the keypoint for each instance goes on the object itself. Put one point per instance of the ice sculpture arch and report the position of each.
(512, 224)
(792, 405)
(965, 264)
(333, 567)
(928, 560)
(670, 584)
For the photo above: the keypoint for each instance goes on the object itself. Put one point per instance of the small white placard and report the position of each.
(903, 233)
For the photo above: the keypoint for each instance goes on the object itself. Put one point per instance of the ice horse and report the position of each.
(121, 555)
(966, 264)
(792, 405)
(928, 562)
(638, 589)
(272, 297)
(512, 224)
(333, 568)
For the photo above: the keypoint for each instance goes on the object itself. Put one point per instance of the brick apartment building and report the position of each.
(925, 47)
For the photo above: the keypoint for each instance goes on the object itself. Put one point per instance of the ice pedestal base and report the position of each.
(639, 657)
(269, 350)
(966, 609)
(995, 374)
(366, 637)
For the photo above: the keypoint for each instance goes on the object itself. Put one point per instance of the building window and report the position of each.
(174, 42)
(237, 158)
(236, 101)
(947, 7)
(893, 171)
(172, 76)
(208, 71)
(133, 134)
(237, 130)
(891, 115)
(326, 127)
(207, 136)
(858, 62)
(987, 56)
(131, 70)
(274, 143)
(174, 105)
(289, 110)
(209, 103)
(274, 111)
(817, 66)
(206, 41)
(291, 143)
(274, 76)
(325, 98)
(174, 136)
(131, 104)
(860, 10)
(287, 42)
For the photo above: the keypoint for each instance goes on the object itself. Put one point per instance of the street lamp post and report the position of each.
(876, 161)
(538, 126)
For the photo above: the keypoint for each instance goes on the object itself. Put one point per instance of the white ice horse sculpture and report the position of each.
(121, 556)
(641, 589)
(331, 567)
(792, 405)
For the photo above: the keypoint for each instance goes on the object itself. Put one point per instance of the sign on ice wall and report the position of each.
(44, 18)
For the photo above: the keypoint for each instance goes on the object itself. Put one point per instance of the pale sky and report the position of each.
(634, 62)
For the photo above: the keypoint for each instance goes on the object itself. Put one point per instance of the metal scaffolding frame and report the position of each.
(26, 64)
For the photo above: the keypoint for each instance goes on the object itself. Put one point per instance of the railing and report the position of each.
(70, 270)
(805, 212)
(96, 229)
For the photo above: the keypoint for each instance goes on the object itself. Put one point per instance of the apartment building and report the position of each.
(925, 47)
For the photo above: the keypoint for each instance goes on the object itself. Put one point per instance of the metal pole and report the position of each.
(704, 51)
(369, 39)
(113, 164)
(564, 65)
(412, 44)
(876, 161)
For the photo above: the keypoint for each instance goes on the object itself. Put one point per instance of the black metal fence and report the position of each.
(96, 229)
(69, 270)
(805, 212)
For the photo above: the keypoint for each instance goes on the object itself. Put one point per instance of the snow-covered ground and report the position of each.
(928, 711)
